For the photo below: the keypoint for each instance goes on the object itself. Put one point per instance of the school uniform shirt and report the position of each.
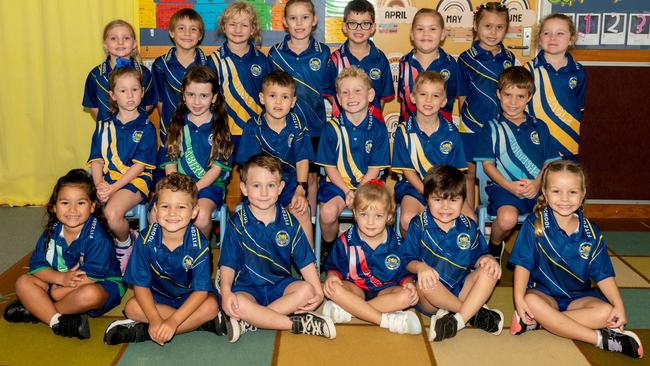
(311, 71)
(195, 150)
(97, 87)
(478, 77)
(261, 255)
(410, 68)
(353, 149)
(452, 254)
(375, 64)
(240, 79)
(93, 250)
(373, 270)
(168, 75)
(562, 265)
(559, 100)
(518, 152)
(170, 274)
(290, 146)
(120, 145)
(414, 150)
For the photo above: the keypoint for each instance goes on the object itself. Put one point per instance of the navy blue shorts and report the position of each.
(563, 304)
(115, 291)
(328, 191)
(404, 188)
(499, 196)
(287, 193)
(164, 300)
(470, 141)
(264, 295)
(214, 194)
(131, 187)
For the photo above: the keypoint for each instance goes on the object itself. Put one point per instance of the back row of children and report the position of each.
(353, 150)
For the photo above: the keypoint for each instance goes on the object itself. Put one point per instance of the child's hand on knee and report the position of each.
(489, 266)
(427, 277)
(529, 188)
(72, 277)
(515, 188)
(617, 317)
(312, 303)
(329, 287)
(231, 305)
(412, 292)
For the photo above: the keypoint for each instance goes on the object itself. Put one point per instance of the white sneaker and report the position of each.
(404, 322)
(336, 313)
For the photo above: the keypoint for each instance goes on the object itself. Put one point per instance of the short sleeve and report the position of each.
(146, 151)
(249, 144)
(412, 247)
(484, 149)
(158, 77)
(150, 96)
(98, 253)
(328, 146)
(338, 260)
(463, 78)
(550, 151)
(600, 265)
(387, 91)
(457, 155)
(201, 268)
(333, 74)
(96, 144)
(137, 271)
(452, 85)
(302, 147)
(479, 246)
(401, 159)
(380, 151)
(580, 90)
(523, 253)
(90, 99)
(37, 261)
(230, 255)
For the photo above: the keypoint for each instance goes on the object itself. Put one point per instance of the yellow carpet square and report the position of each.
(641, 264)
(626, 277)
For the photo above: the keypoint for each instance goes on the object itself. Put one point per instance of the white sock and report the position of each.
(54, 320)
(599, 342)
(384, 321)
(460, 322)
(123, 244)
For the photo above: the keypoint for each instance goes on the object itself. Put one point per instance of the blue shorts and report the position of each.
(499, 196)
(235, 143)
(174, 303)
(287, 192)
(470, 141)
(328, 191)
(264, 295)
(563, 303)
(115, 291)
(404, 188)
(131, 187)
(214, 194)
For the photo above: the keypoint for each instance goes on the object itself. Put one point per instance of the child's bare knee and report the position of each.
(507, 220)
(329, 213)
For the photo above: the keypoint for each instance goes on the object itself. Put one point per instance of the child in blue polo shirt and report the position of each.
(478, 71)
(186, 31)
(360, 51)
(240, 66)
(73, 271)
(427, 32)
(424, 140)
(366, 274)
(557, 255)
(513, 149)
(122, 156)
(353, 150)
(560, 82)
(445, 247)
(308, 61)
(262, 242)
(280, 133)
(121, 46)
(170, 273)
(198, 142)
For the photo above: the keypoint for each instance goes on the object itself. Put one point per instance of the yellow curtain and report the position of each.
(47, 47)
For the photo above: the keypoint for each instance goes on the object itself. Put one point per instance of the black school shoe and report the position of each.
(496, 250)
(443, 326)
(219, 325)
(72, 325)
(16, 312)
(126, 331)
(625, 342)
(490, 320)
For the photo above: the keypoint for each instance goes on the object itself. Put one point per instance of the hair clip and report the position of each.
(377, 182)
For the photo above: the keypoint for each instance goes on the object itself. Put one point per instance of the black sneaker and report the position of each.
(313, 324)
(237, 328)
(496, 250)
(16, 312)
(325, 250)
(218, 325)
(72, 325)
(443, 327)
(490, 320)
(126, 331)
(625, 342)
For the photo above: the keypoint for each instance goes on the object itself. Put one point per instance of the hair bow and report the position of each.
(123, 62)
(376, 182)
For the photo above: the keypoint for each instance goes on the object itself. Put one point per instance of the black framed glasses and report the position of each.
(355, 25)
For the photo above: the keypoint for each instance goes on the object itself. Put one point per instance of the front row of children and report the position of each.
(442, 267)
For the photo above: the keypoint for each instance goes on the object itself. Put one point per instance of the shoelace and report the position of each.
(247, 327)
(311, 326)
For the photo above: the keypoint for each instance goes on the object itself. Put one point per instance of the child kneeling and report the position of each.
(366, 275)
(170, 273)
(455, 273)
(261, 243)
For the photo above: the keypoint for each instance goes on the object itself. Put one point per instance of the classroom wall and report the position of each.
(48, 48)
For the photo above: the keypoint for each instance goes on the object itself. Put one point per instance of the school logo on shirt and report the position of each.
(446, 146)
(368, 146)
(290, 140)
(585, 249)
(534, 137)
(137, 136)
(210, 139)
(282, 238)
(507, 64)
(375, 73)
(187, 263)
(445, 74)
(573, 82)
(463, 241)
(392, 262)
(256, 69)
(314, 64)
